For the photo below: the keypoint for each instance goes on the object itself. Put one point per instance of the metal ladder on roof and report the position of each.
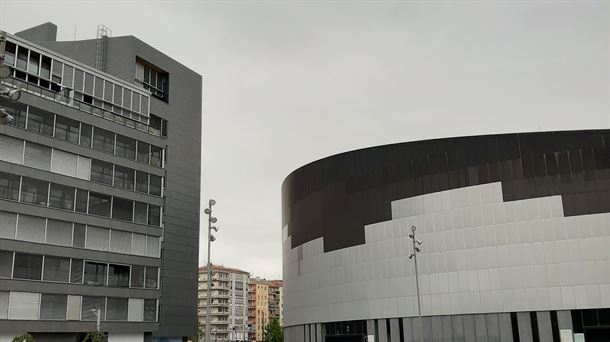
(103, 33)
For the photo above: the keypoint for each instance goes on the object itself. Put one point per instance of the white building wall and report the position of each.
(480, 255)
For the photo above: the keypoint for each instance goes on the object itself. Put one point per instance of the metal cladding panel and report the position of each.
(336, 197)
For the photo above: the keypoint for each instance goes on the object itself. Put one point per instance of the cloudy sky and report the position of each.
(288, 82)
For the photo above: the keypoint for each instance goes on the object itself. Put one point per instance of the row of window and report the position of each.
(39, 192)
(27, 266)
(50, 73)
(47, 306)
(63, 233)
(45, 158)
(47, 123)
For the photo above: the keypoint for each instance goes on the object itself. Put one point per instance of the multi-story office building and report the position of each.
(228, 307)
(99, 190)
(515, 230)
(261, 307)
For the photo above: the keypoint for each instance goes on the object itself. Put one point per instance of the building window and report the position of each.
(152, 275)
(34, 191)
(56, 269)
(101, 171)
(143, 152)
(155, 185)
(125, 147)
(91, 305)
(103, 140)
(123, 177)
(156, 154)
(6, 264)
(78, 239)
(85, 135)
(154, 215)
(99, 204)
(141, 213)
(40, 121)
(153, 79)
(67, 129)
(53, 306)
(150, 310)
(116, 309)
(142, 181)
(95, 273)
(59, 232)
(18, 111)
(76, 273)
(118, 275)
(122, 209)
(137, 276)
(82, 198)
(9, 186)
(61, 197)
(27, 266)
(9, 53)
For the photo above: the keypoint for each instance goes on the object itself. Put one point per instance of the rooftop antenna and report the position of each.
(103, 33)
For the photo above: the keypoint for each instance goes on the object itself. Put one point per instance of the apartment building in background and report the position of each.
(241, 306)
(229, 303)
(99, 189)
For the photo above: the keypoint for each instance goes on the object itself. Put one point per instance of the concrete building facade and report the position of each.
(515, 231)
(99, 190)
(229, 303)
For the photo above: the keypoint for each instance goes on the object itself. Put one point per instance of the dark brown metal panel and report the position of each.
(336, 197)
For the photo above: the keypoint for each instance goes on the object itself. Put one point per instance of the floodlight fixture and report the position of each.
(5, 71)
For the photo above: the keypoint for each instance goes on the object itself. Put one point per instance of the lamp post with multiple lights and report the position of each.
(413, 256)
(211, 238)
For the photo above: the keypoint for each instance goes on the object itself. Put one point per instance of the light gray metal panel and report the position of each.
(545, 330)
(525, 327)
(64, 163)
(394, 330)
(383, 332)
(564, 320)
(480, 326)
(447, 329)
(506, 328)
(306, 332)
(437, 328)
(427, 327)
(31, 228)
(493, 328)
(469, 328)
(318, 327)
(8, 225)
(407, 329)
(457, 325)
(11, 149)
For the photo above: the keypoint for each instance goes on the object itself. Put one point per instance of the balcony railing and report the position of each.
(78, 105)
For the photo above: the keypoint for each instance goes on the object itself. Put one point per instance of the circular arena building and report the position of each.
(515, 232)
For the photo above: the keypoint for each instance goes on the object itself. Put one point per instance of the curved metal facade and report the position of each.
(513, 225)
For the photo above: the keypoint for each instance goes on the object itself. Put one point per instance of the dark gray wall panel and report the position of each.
(525, 327)
(506, 332)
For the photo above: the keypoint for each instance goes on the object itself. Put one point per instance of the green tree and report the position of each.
(95, 336)
(273, 331)
(23, 338)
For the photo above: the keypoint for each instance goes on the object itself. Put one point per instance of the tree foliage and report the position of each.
(23, 338)
(95, 336)
(273, 331)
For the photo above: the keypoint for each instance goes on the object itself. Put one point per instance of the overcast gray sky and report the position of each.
(286, 83)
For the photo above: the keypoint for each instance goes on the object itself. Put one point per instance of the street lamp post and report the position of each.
(413, 256)
(211, 238)
(98, 314)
